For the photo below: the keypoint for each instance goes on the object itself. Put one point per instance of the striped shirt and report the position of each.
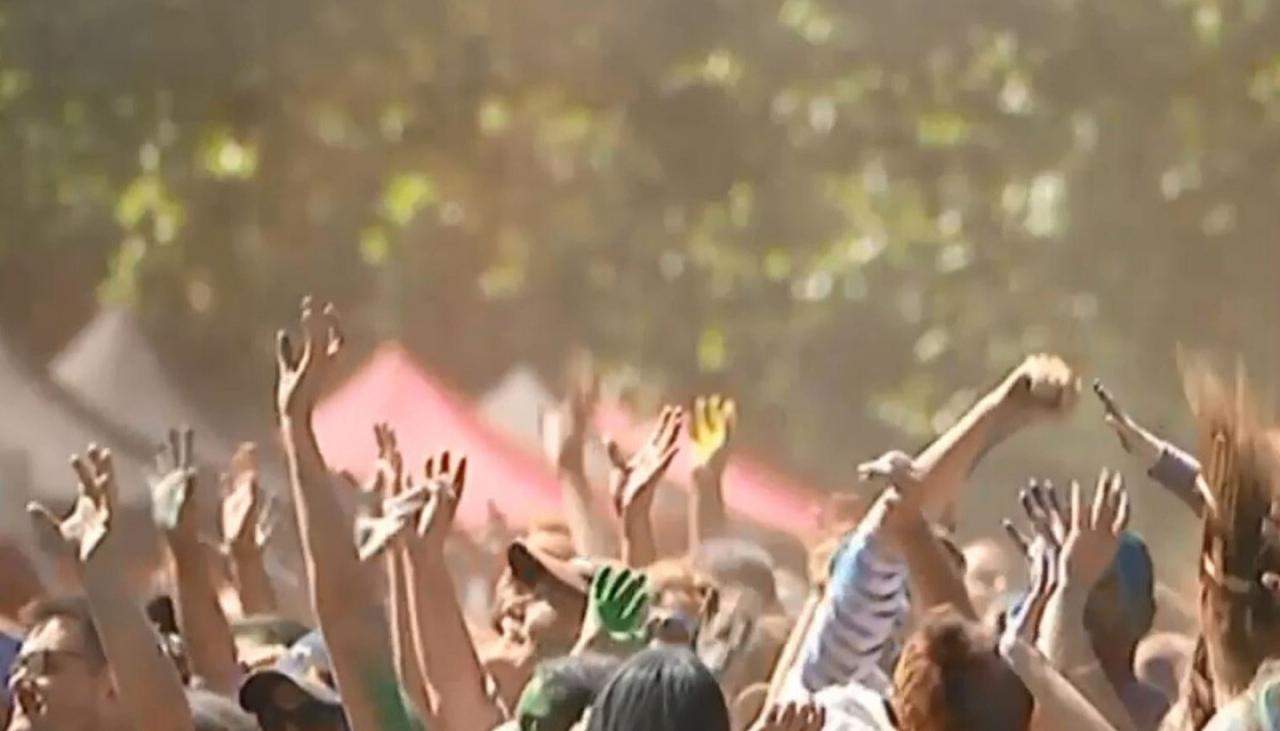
(852, 638)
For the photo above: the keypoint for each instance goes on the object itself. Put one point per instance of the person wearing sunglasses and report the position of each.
(60, 680)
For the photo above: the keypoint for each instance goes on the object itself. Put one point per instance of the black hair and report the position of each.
(567, 687)
(212, 712)
(163, 614)
(269, 629)
(730, 561)
(662, 688)
(74, 609)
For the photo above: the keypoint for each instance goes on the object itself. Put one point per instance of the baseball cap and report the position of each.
(306, 667)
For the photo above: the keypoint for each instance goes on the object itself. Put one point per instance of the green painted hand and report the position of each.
(620, 603)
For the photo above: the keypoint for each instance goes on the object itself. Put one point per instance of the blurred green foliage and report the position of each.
(849, 214)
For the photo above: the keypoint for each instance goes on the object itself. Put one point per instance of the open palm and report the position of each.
(633, 479)
(85, 529)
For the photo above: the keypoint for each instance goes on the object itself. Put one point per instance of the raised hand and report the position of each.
(172, 482)
(632, 480)
(792, 716)
(711, 431)
(302, 373)
(619, 604)
(564, 429)
(1133, 438)
(1094, 533)
(1023, 623)
(1041, 386)
(85, 529)
(398, 500)
(1049, 522)
(389, 475)
(247, 518)
(894, 466)
(445, 479)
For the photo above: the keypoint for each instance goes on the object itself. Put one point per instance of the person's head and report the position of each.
(1121, 608)
(561, 690)
(661, 688)
(298, 693)
(736, 563)
(60, 680)
(541, 596)
(212, 712)
(261, 639)
(679, 595)
(988, 572)
(949, 678)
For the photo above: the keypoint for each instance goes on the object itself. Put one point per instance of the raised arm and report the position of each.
(146, 680)
(564, 440)
(865, 601)
(710, 430)
(791, 650)
(1092, 538)
(445, 648)
(1042, 386)
(617, 612)
(1175, 469)
(383, 536)
(247, 520)
(633, 483)
(347, 608)
(1059, 704)
(174, 508)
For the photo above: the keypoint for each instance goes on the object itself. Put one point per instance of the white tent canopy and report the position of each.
(516, 403)
(111, 369)
(38, 434)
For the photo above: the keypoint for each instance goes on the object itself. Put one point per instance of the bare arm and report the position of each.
(347, 609)
(1058, 702)
(257, 595)
(146, 680)
(564, 440)
(445, 649)
(403, 650)
(1090, 546)
(205, 631)
(633, 483)
(246, 527)
(932, 574)
(791, 650)
(1042, 385)
(710, 431)
(1176, 470)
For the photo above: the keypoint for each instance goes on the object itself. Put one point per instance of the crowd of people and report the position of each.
(590, 620)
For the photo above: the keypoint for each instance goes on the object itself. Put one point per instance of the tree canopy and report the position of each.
(847, 213)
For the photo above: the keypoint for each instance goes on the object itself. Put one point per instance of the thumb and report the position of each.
(616, 457)
(42, 516)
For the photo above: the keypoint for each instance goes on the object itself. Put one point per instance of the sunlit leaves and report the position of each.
(226, 157)
(405, 195)
(941, 128)
(147, 207)
(713, 350)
